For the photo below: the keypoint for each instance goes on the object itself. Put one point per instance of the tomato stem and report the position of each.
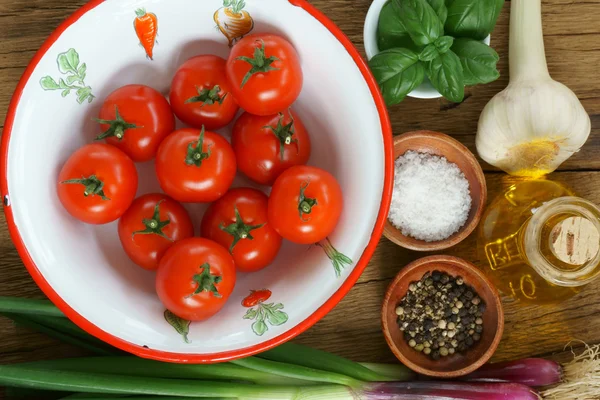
(93, 186)
(208, 96)
(154, 226)
(206, 282)
(259, 63)
(338, 259)
(117, 127)
(238, 229)
(305, 204)
(284, 133)
(195, 155)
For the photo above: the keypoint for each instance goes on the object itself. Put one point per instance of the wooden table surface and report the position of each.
(572, 37)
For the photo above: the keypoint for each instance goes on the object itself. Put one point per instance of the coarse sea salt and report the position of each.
(431, 198)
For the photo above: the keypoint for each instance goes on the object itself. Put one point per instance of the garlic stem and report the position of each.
(526, 50)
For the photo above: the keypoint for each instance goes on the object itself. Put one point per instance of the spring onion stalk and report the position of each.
(68, 381)
(530, 371)
(312, 358)
(24, 321)
(95, 396)
(65, 326)
(390, 372)
(296, 371)
(448, 391)
(28, 306)
(134, 366)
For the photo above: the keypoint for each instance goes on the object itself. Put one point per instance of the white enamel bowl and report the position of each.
(423, 91)
(83, 268)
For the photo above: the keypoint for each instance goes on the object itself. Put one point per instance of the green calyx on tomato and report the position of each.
(206, 282)
(154, 226)
(117, 128)
(93, 186)
(239, 230)
(284, 133)
(305, 204)
(260, 62)
(208, 96)
(195, 155)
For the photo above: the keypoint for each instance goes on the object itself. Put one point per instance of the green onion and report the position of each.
(302, 355)
(391, 372)
(68, 381)
(24, 321)
(135, 366)
(296, 371)
(29, 306)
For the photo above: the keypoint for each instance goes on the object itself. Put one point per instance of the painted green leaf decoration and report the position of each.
(48, 83)
(250, 314)
(68, 62)
(182, 326)
(259, 327)
(276, 318)
(72, 79)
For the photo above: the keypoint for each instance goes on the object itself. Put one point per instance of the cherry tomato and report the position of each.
(238, 221)
(265, 74)
(305, 204)
(200, 93)
(195, 278)
(195, 166)
(136, 119)
(97, 183)
(265, 146)
(152, 224)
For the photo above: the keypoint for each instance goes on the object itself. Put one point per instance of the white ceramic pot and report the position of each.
(83, 268)
(423, 91)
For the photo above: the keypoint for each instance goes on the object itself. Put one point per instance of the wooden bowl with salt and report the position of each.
(442, 145)
(457, 364)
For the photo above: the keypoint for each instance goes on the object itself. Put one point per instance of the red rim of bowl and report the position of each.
(232, 354)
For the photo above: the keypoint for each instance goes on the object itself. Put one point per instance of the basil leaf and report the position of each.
(439, 6)
(420, 20)
(446, 75)
(478, 61)
(398, 72)
(429, 53)
(444, 43)
(391, 33)
(473, 19)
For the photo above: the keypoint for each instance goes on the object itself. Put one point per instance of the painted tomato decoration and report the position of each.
(305, 204)
(195, 278)
(136, 119)
(201, 95)
(195, 166)
(97, 183)
(152, 224)
(239, 222)
(265, 74)
(265, 146)
(256, 297)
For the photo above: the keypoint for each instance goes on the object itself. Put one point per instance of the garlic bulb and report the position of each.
(536, 123)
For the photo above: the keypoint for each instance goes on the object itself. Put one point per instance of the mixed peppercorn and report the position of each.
(441, 315)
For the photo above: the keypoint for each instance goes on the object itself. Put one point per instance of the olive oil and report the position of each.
(538, 243)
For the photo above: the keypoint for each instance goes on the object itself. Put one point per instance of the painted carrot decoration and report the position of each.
(233, 21)
(146, 29)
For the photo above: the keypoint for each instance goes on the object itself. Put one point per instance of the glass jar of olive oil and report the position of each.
(539, 243)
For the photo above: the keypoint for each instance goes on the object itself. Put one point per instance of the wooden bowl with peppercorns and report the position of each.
(442, 317)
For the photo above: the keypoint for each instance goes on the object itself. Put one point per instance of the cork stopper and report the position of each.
(575, 240)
